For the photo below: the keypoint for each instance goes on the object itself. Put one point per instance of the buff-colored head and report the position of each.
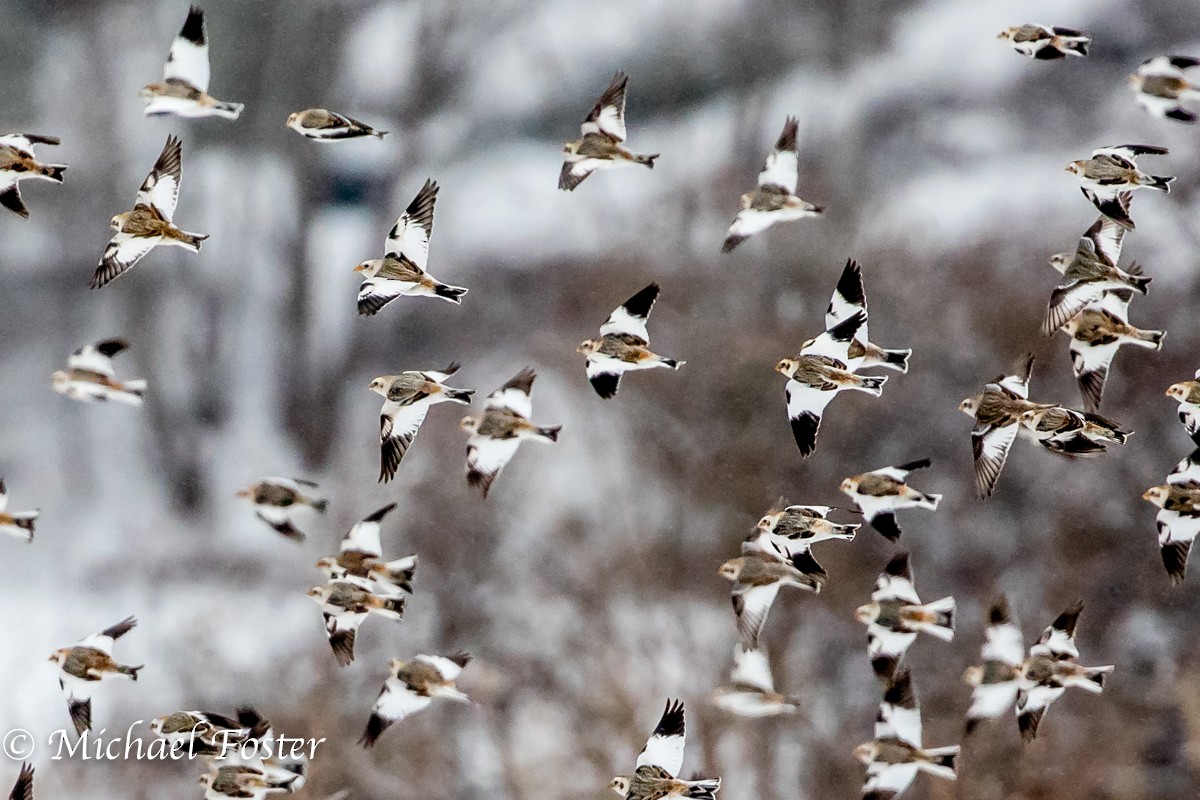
(589, 346)
(865, 752)
(620, 785)
(973, 676)
(1076, 167)
(787, 366)
(1178, 391)
(1156, 495)
(866, 613)
(969, 406)
(469, 424)
(59, 656)
(849, 485)
(731, 569)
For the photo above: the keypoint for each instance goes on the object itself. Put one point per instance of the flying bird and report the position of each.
(600, 145)
(896, 615)
(276, 500)
(624, 345)
(86, 663)
(786, 530)
(18, 163)
(1112, 171)
(1178, 518)
(660, 762)
(1046, 42)
(15, 523)
(1072, 433)
(401, 271)
(757, 578)
(848, 299)
(361, 557)
(895, 756)
(995, 683)
(1051, 669)
(323, 125)
(407, 398)
(499, 431)
(774, 199)
(23, 788)
(244, 782)
(207, 733)
(411, 687)
(1187, 394)
(881, 493)
(184, 87)
(1090, 273)
(1162, 86)
(149, 224)
(90, 376)
(817, 375)
(346, 603)
(751, 692)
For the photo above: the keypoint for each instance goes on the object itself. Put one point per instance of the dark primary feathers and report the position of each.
(787, 138)
(193, 27)
(120, 629)
(671, 722)
(898, 566)
(641, 303)
(850, 286)
(420, 210)
(1067, 620)
(23, 788)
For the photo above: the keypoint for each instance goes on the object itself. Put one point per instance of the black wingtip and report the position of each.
(376, 516)
(804, 431)
(1067, 620)
(787, 138)
(193, 26)
(671, 723)
(900, 692)
(640, 304)
(912, 466)
(850, 284)
(376, 725)
(845, 330)
(885, 524)
(1000, 613)
(898, 566)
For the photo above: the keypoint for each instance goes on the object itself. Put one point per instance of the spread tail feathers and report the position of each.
(871, 385)
(703, 790)
(52, 172)
(896, 359)
(452, 293)
(672, 363)
(228, 110)
(132, 672)
(549, 433)
(460, 395)
(1160, 182)
(647, 160)
(1151, 339)
(943, 762)
(320, 506)
(942, 625)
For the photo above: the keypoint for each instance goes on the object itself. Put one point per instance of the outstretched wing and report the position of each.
(188, 59)
(630, 317)
(783, 163)
(664, 748)
(514, 396)
(608, 115)
(409, 237)
(161, 187)
(364, 534)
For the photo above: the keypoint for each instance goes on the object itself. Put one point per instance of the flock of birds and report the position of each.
(1090, 305)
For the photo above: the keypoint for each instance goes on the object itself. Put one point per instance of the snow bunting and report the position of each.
(757, 579)
(995, 682)
(87, 662)
(346, 603)
(751, 692)
(1162, 86)
(1046, 42)
(1187, 394)
(1073, 433)
(1178, 518)
(1089, 273)
(91, 377)
(149, 223)
(1050, 669)
(277, 499)
(997, 413)
(18, 163)
(815, 377)
(895, 756)
(323, 125)
(774, 199)
(361, 556)
(600, 146)
(407, 398)
(660, 762)
(504, 424)
(184, 87)
(849, 298)
(15, 523)
(23, 788)
(411, 687)
(896, 615)
(1097, 333)
(881, 493)
(401, 271)
(243, 781)
(1112, 171)
(624, 344)
(786, 530)
(207, 733)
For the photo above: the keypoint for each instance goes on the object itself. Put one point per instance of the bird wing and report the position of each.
(805, 405)
(885, 781)
(104, 640)
(375, 293)
(849, 298)
(1187, 470)
(990, 445)
(1090, 363)
(26, 141)
(630, 317)
(188, 59)
(78, 693)
(664, 748)
(442, 375)
(901, 471)
(122, 252)
(1107, 235)
(990, 700)
(1003, 641)
(1068, 300)
(1058, 639)
(899, 717)
(341, 627)
(23, 788)
(896, 582)
(161, 187)
(398, 426)
(486, 457)
(835, 342)
(1130, 151)
(449, 669)
(1016, 381)
(603, 378)
(608, 115)
(3, 495)
(751, 604)
(409, 237)
(364, 534)
(97, 357)
(1176, 533)
(514, 396)
(783, 164)
(396, 702)
(751, 668)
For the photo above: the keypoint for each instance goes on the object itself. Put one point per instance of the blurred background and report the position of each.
(586, 587)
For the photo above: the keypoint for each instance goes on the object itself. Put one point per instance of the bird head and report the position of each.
(620, 785)
(156, 724)
(973, 675)
(379, 386)
(1032, 417)
(60, 655)
(969, 406)
(731, 569)
(586, 347)
(150, 90)
(866, 613)
(247, 492)
(118, 222)
(327, 564)
(1060, 261)
(1178, 391)
(1134, 80)
(1156, 495)
(570, 148)
(395, 664)
(865, 752)
(849, 486)
(317, 593)
(769, 521)
(1006, 34)
(787, 366)
(293, 118)
(469, 424)
(1075, 167)
(205, 779)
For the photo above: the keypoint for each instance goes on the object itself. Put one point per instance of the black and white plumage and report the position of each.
(345, 604)
(774, 200)
(411, 687)
(276, 501)
(896, 615)
(86, 663)
(407, 398)
(1046, 42)
(879, 494)
(209, 733)
(401, 271)
(660, 762)
(896, 755)
(1090, 273)
(361, 556)
(848, 299)
(19, 524)
(18, 163)
(995, 682)
(323, 125)
(1113, 171)
(184, 87)
(1162, 85)
(1178, 518)
(757, 578)
(624, 345)
(149, 224)
(504, 424)
(1072, 433)
(1187, 394)
(817, 375)
(91, 377)
(751, 690)
(603, 134)
(23, 788)
(1051, 669)
(787, 530)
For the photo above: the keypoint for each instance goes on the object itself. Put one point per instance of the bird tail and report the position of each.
(1075, 48)
(872, 385)
(190, 241)
(896, 359)
(943, 762)
(452, 293)
(450, 693)
(672, 363)
(228, 110)
(132, 672)
(379, 134)
(549, 433)
(460, 395)
(1150, 339)
(320, 506)
(846, 530)
(1160, 182)
(702, 790)
(376, 725)
(647, 160)
(52, 172)
(942, 623)
(134, 392)
(1136, 280)
(391, 607)
(929, 501)
(1091, 679)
